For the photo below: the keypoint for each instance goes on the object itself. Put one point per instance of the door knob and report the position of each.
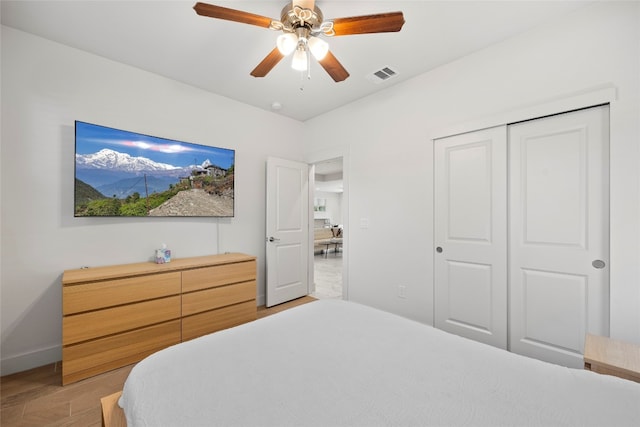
(598, 263)
(439, 249)
(273, 239)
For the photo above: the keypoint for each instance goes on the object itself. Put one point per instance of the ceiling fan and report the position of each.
(302, 24)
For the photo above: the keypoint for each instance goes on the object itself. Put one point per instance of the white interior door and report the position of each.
(471, 235)
(559, 234)
(287, 230)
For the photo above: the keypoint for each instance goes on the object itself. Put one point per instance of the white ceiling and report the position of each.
(168, 38)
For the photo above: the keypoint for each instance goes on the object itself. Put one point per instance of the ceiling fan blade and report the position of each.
(332, 66)
(267, 64)
(227, 14)
(366, 24)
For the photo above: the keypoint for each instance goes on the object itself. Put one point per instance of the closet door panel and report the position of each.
(469, 183)
(554, 309)
(554, 188)
(469, 296)
(558, 228)
(470, 230)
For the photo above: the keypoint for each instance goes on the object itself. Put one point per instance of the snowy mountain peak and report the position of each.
(114, 160)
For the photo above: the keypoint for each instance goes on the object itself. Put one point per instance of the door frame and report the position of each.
(570, 102)
(319, 157)
(580, 101)
(597, 118)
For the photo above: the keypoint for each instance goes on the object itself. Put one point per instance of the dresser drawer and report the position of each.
(92, 357)
(113, 316)
(216, 320)
(96, 324)
(97, 295)
(209, 299)
(219, 275)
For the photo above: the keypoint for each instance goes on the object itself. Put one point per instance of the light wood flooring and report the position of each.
(36, 397)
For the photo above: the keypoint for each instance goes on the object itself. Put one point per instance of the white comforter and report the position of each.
(335, 363)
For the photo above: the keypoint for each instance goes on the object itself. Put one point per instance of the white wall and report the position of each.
(596, 47)
(45, 87)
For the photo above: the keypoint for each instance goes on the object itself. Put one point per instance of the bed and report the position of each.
(338, 363)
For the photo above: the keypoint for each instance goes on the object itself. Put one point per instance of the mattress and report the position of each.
(337, 363)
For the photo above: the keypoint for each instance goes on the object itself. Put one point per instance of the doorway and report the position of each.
(328, 229)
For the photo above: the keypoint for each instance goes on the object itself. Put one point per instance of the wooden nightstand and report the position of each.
(611, 357)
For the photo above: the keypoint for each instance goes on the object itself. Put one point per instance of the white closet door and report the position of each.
(559, 235)
(471, 235)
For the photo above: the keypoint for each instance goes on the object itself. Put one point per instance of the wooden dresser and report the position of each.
(117, 315)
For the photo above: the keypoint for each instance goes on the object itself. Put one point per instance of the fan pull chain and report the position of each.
(302, 81)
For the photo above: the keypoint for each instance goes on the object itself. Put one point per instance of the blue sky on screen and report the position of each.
(92, 138)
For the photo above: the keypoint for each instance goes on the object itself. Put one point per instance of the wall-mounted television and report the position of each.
(122, 173)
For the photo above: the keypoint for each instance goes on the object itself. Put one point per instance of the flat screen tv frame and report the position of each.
(120, 173)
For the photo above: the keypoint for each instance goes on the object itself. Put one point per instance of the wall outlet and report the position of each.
(402, 291)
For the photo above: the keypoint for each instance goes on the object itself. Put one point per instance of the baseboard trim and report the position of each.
(26, 361)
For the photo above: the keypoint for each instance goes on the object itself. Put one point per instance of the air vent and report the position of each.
(382, 75)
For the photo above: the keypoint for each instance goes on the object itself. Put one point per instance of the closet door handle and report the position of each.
(439, 249)
(598, 263)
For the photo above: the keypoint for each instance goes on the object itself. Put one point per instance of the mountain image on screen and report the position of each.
(109, 182)
(121, 175)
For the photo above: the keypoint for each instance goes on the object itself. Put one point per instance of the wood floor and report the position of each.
(36, 397)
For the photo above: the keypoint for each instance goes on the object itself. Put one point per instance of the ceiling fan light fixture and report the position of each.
(287, 43)
(299, 61)
(318, 47)
(301, 21)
